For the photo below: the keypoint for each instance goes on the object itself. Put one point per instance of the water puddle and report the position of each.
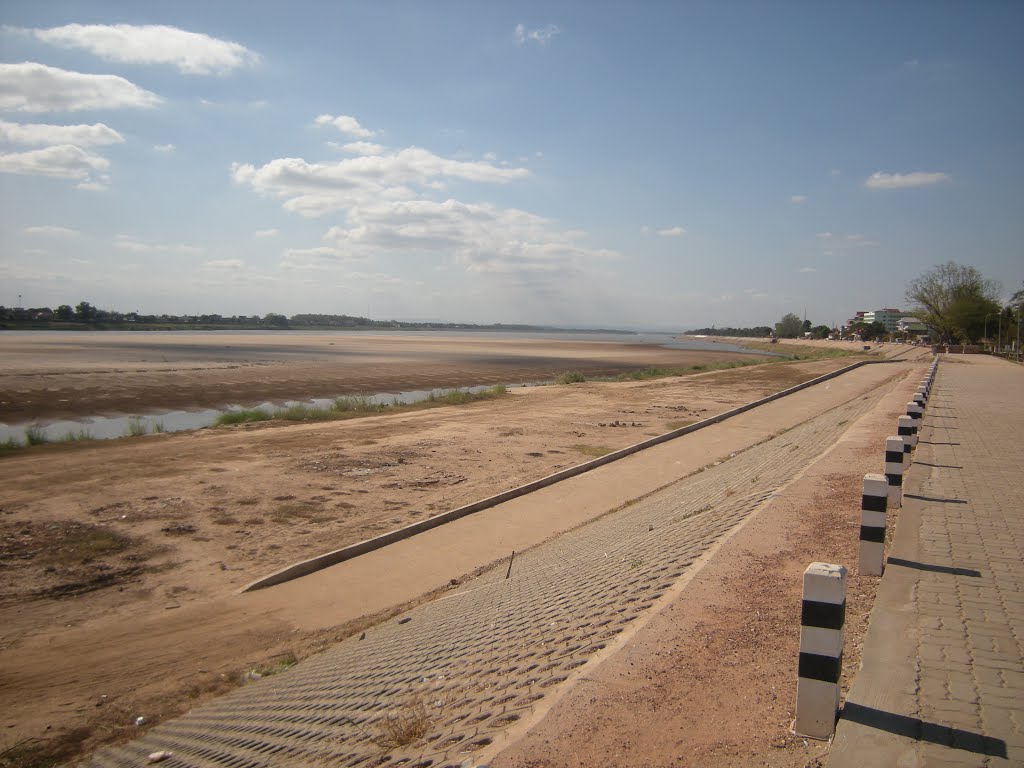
(111, 427)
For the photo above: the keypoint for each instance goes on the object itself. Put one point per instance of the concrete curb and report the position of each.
(326, 560)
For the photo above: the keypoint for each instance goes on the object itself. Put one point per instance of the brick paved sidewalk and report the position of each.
(942, 678)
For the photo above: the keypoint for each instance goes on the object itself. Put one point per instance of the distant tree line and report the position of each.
(757, 332)
(85, 315)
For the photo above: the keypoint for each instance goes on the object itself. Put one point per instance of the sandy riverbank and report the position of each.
(104, 545)
(70, 375)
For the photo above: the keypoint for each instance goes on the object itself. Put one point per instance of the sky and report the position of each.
(655, 165)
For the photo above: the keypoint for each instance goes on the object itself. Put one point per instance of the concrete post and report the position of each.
(894, 470)
(872, 525)
(915, 412)
(821, 650)
(905, 429)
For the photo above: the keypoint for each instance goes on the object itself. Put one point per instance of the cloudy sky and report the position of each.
(656, 165)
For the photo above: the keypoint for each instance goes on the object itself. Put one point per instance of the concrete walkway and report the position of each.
(942, 678)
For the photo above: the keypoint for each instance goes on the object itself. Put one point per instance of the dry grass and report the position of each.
(594, 451)
(405, 725)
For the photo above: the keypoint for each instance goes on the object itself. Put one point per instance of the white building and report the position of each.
(890, 318)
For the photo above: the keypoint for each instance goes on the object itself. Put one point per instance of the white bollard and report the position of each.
(872, 525)
(918, 400)
(894, 470)
(821, 650)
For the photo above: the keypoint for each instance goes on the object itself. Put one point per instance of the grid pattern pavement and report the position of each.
(963, 583)
(479, 659)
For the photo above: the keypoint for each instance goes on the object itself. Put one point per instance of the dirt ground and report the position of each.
(99, 541)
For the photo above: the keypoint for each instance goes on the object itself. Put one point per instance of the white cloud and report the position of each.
(320, 258)
(164, 147)
(95, 185)
(808, 269)
(880, 180)
(483, 237)
(230, 264)
(346, 124)
(49, 230)
(41, 134)
(798, 198)
(540, 36)
(852, 240)
(32, 87)
(193, 53)
(63, 161)
(266, 232)
(835, 172)
(314, 189)
(385, 207)
(363, 148)
(672, 232)
(135, 244)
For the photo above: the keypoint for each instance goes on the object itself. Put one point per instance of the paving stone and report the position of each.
(971, 674)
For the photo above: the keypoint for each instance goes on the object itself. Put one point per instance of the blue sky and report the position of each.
(656, 165)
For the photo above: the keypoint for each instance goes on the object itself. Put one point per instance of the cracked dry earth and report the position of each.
(464, 668)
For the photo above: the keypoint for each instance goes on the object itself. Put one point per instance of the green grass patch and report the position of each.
(34, 435)
(72, 436)
(353, 406)
(10, 445)
(360, 404)
(593, 451)
(285, 661)
(243, 416)
(570, 377)
(673, 425)
(299, 412)
(136, 427)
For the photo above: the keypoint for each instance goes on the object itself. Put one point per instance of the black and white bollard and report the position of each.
(894, 470)
(907, 429)
(915, 412)
(873, 505)
(821, 650)
(919, 399)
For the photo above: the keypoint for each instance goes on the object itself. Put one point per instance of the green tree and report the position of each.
(789, 327)
(85, 311)
(65, 312)
(275, 320)
(820, 331)
(953, 301)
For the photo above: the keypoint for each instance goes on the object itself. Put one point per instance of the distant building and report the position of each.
(911, 326)
(890, 318)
